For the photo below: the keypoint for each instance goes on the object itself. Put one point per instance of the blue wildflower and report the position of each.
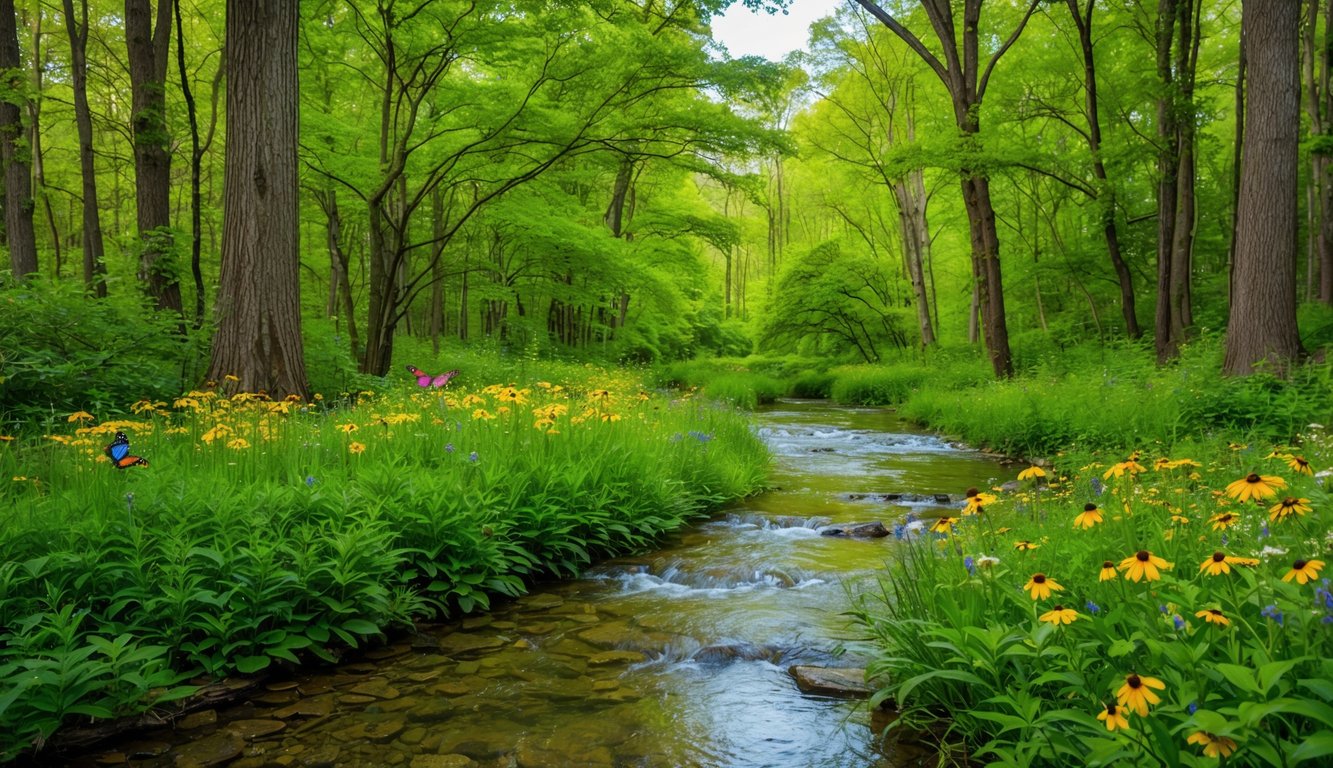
(1093, 607)
(448, 447)
(1179, 622)
(1271, 612)
(970, 565)
(310, 481)
(473, 457)
(1193, 707)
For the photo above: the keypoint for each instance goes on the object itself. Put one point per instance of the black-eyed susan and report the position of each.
(1114, 717)
(1032, 473)
(1143, 564)
(1089, 517)
(1303, 571)
(1108, 571)
(1130, 466)
(1213, 616)
(1040, 586)
(976, 500)
(1255, 486)
(944, 525)
(1136, 693)
(1025, 545)
(1249, 562)
(1217, 564)
(1059, 615)
(1213, 746)
(348, 428)
(355, 447)
(1288, 507)
(1224, 520)
(1299, 464)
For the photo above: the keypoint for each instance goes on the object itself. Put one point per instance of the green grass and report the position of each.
(265, 533)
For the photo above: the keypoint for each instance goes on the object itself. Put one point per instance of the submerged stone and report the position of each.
(871, 530)
(210, 750)
(840, 683)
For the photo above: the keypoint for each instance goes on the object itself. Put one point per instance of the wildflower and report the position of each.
(1089, 517)
(231, 378)
(1237, 446)
(348, 428)
(1108, 571)
(1130, 466)
(1213, 746)
(599, 394)
(1032, 473)
(1180, 519)
(239, 444)
(986, 561)
(1092, 607)
(1254, 486)
(482, 414)
(448, 447)
(310, 481)
(1288, 507)
(1271, 612)
(1136, 694)
(1224, 520)
(1059, 615)
(473, 457)
(79, 416)
(976, 500)
(1041, 587)
(6, 439)
(1304, 570)
(1025, 545)
(1246, 561)
(1213, 616)
(1217, 564)
(1114, 717)
(1178, 622)
(944, 525)
(1143, 564)
(1299, 465)
(1271, 551)
(355, 447)
(970, 565)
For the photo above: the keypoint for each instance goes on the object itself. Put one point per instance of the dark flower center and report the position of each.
(1134, 682)
(1089, 507)
(971, 493)
(1298, 565)
(1110, 709)
(1252, 478)
(1218, 557)
(1040, 578)
(1214, 611)
(1289, 502)
(1225, 518)
(1059, 607)
(1107, 564)
(1142, 555)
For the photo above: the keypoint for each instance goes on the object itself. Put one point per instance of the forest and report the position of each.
(1080, 234)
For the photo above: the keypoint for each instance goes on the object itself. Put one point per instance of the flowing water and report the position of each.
(678, 658)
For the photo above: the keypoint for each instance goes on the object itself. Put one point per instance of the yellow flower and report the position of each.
(1041, 587)
(482, 413)
(185, 402)
(80, 416)
(6, 439)
(1304, 570)
(543, 424)
(471, 400)
(1129, 466)
(1032, 473)
(231, 378)
(1213, 746)
(355, 447)
(1113, 717)
(348, 428)
(1025, 545)
(944, 525)
(1135, 693)
(1299, 464)
(1213, 616)
(976, 500)
(511, 395)
(1224, 520)
(1059, 615)
(1089, 517)
(1288, 507)
(599, 394)
(239, 444)
(1217, 564)
(1254, 486)
(19, 479)
(1108, 571)
(1143, 564)
(610, 417)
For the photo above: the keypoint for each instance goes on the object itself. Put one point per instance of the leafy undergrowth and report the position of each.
(1168, 612)
(264, 533)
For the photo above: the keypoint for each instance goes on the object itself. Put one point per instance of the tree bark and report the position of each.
(19, 233)
(196, 171)
(259, 306)
(147, 45)
(1168, 160)
(94, 265)
(35, 141)
(1262, 329)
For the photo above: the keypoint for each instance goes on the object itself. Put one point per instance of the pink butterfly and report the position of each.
(426, 380)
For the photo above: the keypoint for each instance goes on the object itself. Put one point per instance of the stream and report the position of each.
(674, 659)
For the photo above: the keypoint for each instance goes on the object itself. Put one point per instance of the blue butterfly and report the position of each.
(119, 453)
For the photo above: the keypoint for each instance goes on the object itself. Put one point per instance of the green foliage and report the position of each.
(744, 390)
(965, 636)
(60, 352)
(266, 533)
(812, 384)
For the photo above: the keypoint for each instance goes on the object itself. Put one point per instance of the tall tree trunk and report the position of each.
(35, 140)
(437, 324)
(259, 304)
(1182, 241)
(910, 195)
(94, 265)
(1168, 159)
(19, 232)
(147, 45)
(1106, 192)
(1262, 329)
(1236, 155)
(196, 164)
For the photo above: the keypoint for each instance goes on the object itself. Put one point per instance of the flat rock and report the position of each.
(321, 757)
(542, 602)
(146, 748)
(197, 720)
(871, 530)
(379, 688)
(388, 651)
(317, 706)
(942, 499)
(616, 657)
(442, 761)
(462, 642)
(210, 750)
(253, 729)
(840, 683)
(725, 654)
